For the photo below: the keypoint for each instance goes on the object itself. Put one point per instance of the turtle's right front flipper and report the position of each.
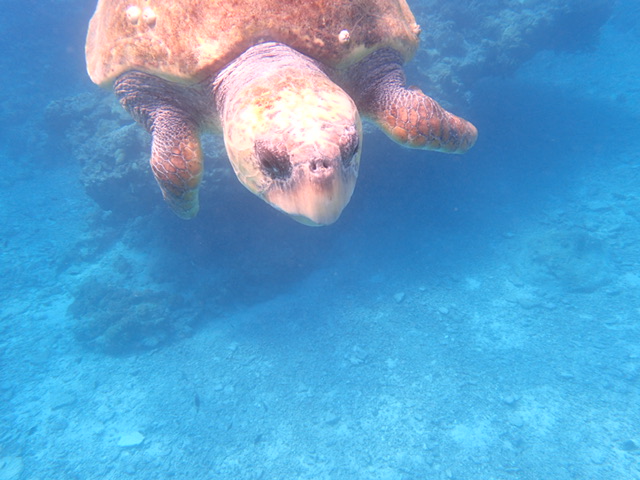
(176, 156)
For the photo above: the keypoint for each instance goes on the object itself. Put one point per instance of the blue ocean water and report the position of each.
(468, 317)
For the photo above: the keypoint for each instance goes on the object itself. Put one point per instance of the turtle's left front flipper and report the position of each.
(407, 115)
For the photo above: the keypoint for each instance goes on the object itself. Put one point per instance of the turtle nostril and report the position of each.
(276, 164)
(320, 165)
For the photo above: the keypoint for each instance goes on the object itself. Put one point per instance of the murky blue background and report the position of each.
(472, 317)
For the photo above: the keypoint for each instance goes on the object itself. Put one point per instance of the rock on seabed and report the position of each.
(130, 439)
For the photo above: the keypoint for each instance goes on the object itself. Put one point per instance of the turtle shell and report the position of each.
(189, 40)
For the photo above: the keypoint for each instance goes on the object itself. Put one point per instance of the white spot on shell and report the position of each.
(344, 36)
(149, 16)
(133, 14)
(416, 29)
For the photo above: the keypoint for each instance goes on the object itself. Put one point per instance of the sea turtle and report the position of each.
(285, 82)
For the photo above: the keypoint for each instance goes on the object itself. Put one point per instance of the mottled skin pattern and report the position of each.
(288, 108)
(407, 115)
(174, 118)
(177, 165)
(299, 145)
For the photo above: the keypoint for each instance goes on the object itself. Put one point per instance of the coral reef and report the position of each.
(114, 319)
(93, 130)
(464, 42)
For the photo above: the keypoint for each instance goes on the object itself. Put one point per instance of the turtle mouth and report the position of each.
(315, 193)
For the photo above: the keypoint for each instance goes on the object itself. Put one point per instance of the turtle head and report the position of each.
(292, 135)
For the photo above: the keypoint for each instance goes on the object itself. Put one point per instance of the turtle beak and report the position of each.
(316, 192)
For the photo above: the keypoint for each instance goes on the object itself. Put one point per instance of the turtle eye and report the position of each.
(275, 164)
(349, 144)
